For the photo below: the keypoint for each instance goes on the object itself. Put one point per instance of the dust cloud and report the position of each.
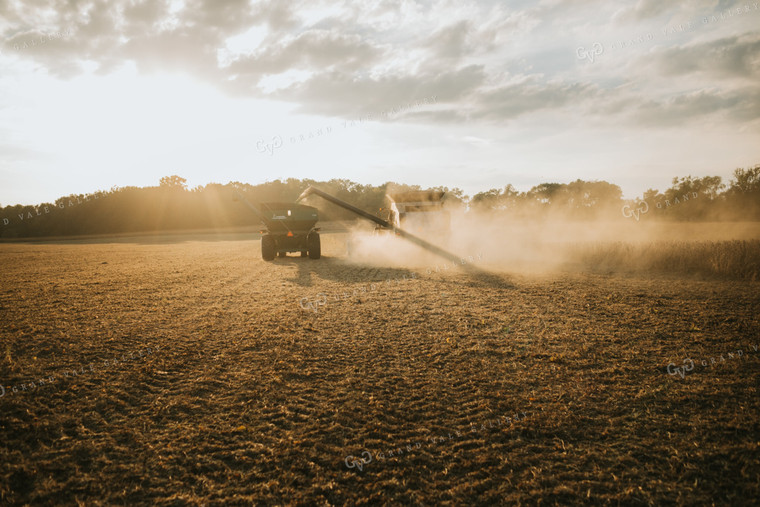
(502, 244)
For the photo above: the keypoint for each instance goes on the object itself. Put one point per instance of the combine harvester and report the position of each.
(420, 212)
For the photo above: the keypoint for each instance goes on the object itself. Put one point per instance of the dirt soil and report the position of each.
(194, 373)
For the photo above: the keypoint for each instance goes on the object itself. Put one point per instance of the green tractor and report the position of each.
(289, 227)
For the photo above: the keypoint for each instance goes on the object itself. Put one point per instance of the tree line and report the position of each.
(688, 198)
(172, 206)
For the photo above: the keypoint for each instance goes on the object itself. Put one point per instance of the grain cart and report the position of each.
(289, 228)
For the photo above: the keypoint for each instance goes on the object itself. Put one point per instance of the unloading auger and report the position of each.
(385, 224)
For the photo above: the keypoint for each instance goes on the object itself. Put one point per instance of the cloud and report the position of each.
(725, 58)
(344, 59)
(645, 10)
(142, 15)
(739, 106)
(314, 49)
(531, 95)
(450, 42)
(713, 80)
(476, 141)
(342, 94)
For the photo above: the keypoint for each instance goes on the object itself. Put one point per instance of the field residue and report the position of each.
(248, 396)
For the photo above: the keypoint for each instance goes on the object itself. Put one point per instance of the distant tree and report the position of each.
(651, 196)
(746, 181)
(743, 194)
(134, 209)
(709, 186)
(486, 201)
(173, 182)
(510, 199)
(545, 192)
(702, 195)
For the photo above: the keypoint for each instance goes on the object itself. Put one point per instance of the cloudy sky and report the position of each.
(457, 93)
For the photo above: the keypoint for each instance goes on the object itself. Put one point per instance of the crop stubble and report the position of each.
(249, 397)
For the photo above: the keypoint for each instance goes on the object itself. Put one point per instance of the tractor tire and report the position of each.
(304, 253)
(315, 247)
(267, 247)
(282, 254)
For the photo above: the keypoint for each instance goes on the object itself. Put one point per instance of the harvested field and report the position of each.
(194, 373)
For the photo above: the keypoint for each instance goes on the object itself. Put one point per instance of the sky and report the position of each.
(468, 94)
